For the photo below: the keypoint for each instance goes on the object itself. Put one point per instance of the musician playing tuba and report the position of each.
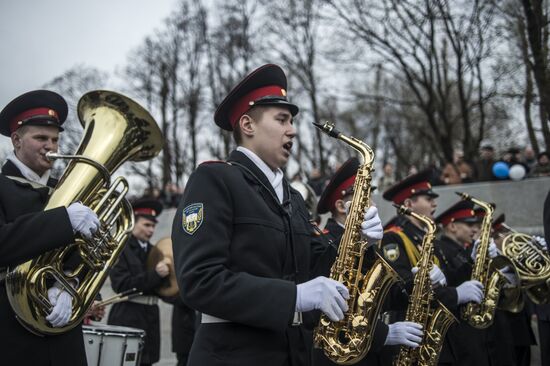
(33, 121)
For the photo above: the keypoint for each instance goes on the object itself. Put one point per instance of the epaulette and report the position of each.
(213, 162)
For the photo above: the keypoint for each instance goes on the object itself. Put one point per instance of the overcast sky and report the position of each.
(41, 39)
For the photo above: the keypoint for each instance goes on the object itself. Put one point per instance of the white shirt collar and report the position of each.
(27, 172)
(274, 177)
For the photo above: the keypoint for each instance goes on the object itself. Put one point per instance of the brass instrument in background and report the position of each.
(347, 341)
(532, 264)
(488, 272)
(162, 250)
(116, 129)
(309, 196)
(423, 309)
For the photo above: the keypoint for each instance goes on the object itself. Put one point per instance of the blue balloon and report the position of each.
(501, 170)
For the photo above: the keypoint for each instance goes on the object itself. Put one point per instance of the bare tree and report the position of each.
(536, 19)
(230, 55)
(441, 53)
(72, 85)
(295, 26)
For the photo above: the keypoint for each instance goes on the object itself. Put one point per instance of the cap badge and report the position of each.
(283, 92)
(192, 217)
(51, 112)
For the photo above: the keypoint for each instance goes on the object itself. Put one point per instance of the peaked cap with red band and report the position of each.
(34, 108)
(148, 208)
(264, 86)
(340, 185)
(462, 211)
(413, 185)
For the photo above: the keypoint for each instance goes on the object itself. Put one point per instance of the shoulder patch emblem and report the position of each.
(391, 252)
(192, 217)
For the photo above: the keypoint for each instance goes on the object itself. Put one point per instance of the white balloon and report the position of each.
(517, 172)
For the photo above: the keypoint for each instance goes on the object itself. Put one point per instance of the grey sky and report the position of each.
(40, 39)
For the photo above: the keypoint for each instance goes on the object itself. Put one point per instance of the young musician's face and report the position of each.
(463, 232)
(144, 229)
(273, 135)
(31, 143)
(423, 205)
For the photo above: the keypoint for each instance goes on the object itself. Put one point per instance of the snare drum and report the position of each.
(110, 345)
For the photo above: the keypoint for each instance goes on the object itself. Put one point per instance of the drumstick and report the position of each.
(115, 300)
(116, 297)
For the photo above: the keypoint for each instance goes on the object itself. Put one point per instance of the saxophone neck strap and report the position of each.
(412, 250)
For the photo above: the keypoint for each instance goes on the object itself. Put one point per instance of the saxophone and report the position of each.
(116, 129)
(347, 341)
(434, 317)
(488, 272)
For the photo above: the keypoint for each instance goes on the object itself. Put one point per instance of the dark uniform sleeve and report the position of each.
(202, 261)
(33, 234)
(124, 278)
(393, 251)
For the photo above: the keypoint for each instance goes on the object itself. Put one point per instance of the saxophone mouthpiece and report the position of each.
(463, 195)
(327, 128)
(402, 209)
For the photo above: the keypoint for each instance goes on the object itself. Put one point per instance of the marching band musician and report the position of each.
(33, 121)
(131, 272)
(401, 247)
(333, 199)
(521, 333)
(460, 225)
(243, 241)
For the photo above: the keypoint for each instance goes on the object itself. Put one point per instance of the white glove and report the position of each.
(404, 333)
(62, 307)
(83, 219)
(323, 294)
(436, 276)
(371, 227)
(492, 251)
(510, 276)
(469, 291)
(540, 241)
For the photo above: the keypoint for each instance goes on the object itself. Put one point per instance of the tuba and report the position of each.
(116, 129)
(488, 272)
(347, 341)
(434, 317)
(532, 264)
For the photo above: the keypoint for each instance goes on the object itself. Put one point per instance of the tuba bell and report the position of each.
(116, 129)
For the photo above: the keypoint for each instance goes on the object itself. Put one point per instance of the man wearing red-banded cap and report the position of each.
(243, 242)
(491, 346)
(33, 122)
(401, 247)
(131, 272)
(335, 198)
